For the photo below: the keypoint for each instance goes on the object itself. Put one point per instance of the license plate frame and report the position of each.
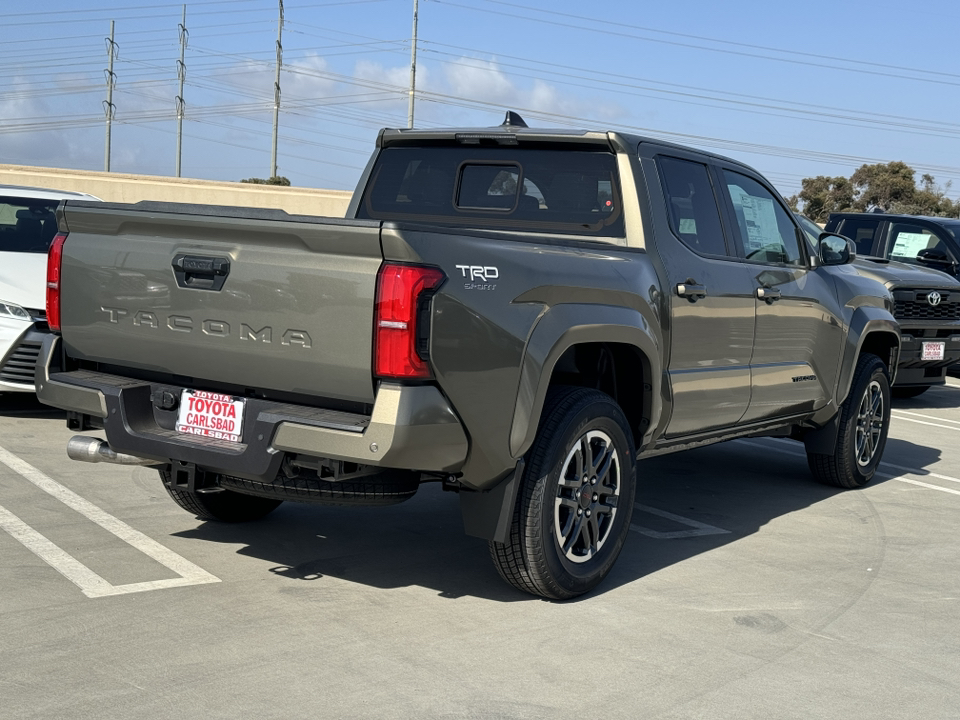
(209, 414)
(933, 350)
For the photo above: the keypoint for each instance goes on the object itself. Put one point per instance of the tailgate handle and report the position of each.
(196, 272)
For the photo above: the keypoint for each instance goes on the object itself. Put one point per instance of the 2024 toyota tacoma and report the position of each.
(519, 314)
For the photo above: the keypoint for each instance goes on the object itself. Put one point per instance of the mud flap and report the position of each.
(823, 441)
(489, 514)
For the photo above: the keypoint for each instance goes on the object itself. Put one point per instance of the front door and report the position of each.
(796, 350)
(711, 306)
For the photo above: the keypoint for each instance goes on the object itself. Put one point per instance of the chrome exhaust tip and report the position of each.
(93, 450)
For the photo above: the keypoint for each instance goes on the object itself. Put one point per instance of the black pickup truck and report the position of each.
(516, 313)
(915, 257)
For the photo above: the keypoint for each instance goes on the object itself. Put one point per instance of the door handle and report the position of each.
(200, 272)
(769, 294)
(691, 291)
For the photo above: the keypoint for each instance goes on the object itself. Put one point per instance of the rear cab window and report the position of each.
(27, 226)
(862, 231)
(549, 190)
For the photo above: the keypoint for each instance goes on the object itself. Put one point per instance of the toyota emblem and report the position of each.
(933, 298)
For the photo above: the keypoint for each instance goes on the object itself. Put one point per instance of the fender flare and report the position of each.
(866, 320)
(560, 328)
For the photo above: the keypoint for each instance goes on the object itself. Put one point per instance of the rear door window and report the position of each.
(692, 206)
(568, 191)
(863, 233)
(27, 226)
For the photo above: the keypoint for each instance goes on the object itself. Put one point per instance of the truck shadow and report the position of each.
(734, 488)
(17, 404)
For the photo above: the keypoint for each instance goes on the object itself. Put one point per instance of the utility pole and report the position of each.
(276, 93)
(413, 66)
(108, 105)
(181, 75)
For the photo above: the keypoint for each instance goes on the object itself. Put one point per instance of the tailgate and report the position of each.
(255, 298)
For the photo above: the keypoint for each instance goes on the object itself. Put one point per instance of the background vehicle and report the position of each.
(27, 226)
(914, 258)
(515, 313)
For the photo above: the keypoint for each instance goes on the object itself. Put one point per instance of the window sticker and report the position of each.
(909, 244)
(760, 220)
(688, 226)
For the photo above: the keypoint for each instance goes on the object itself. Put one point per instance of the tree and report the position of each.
(275, 180)
(889, 187)
(823, 195)
(883, 185)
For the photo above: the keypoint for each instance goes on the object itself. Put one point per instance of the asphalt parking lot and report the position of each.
(747, 591)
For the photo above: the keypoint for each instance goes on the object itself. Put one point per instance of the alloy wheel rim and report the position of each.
(587, 496)
(869, 423)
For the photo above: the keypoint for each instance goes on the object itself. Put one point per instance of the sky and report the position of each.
(794, 90)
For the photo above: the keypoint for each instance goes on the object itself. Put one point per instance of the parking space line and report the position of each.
(698, 528)
(91, 584)
(924, 422)
(910, 471)
(898, 411)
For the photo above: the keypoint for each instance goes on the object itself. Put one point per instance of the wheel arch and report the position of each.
(560, 350)
(873, 330)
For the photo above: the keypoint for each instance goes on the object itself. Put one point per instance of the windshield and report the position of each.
(810, 230)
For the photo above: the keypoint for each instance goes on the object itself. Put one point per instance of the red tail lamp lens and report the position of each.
(400, 290)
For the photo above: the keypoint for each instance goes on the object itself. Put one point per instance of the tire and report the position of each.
(909, 392)
(554, 551)
(385, 488)
(864, 422)
(225, 506)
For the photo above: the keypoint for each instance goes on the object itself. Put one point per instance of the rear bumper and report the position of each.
(411, 428)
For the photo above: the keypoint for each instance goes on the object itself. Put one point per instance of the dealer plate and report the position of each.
(933, 350)
(211, 415)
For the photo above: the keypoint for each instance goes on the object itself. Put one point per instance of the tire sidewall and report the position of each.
(863, 474)
(606, 416)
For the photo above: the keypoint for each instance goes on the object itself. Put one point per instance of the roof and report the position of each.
(32, 193)
(900, 216)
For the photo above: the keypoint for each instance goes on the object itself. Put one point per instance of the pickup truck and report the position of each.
(915, 257)
(518, 314)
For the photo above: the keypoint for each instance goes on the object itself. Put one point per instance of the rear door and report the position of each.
(711, 307)
(796, 350)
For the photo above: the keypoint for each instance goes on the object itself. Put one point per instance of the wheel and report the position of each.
(575, 500)
(864, 422)
(225, 506)
(909, 392)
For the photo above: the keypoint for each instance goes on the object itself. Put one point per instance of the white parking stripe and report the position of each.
(924, 422)
(699, 528)
(898, 411)
(911, 471)
(89, 582)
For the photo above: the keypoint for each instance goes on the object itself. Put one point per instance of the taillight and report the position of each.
(399, 332)
(54, 258)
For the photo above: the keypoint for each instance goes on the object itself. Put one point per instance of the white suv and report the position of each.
(27, 225)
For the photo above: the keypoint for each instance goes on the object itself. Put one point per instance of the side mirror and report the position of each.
(835, 249)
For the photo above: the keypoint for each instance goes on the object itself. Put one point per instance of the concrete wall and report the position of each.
(124, 187)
